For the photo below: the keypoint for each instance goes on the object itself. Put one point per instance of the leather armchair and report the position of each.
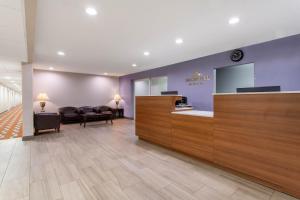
(69, 115)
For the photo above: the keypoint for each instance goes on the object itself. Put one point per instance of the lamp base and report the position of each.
(43, 104)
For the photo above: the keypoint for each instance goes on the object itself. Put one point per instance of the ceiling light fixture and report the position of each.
(134, 65)
(61, 53)
(179, 41)
(51, 68)
(234, 20)
(91, 11)
(146, 53)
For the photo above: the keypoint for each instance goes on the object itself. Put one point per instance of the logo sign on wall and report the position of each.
(197, 78)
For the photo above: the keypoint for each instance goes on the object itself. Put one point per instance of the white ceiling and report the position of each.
(123, 29)
(13, 49)
(12, 31)
(10, 75)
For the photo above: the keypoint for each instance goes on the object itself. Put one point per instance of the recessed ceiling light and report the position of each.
(105, 73)
(7, 77)
(51, 68)
(146, 53)
(179, 41)
(91, 11)
(234, 20)
(61, 53)
(134, 65)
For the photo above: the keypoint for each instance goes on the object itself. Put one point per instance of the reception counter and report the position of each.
(254, 134)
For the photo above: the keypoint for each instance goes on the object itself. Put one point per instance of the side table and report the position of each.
(45, 121)
(118, 112)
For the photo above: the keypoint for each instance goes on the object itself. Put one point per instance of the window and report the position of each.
(150, 87)
(228, 79)
(158, 84)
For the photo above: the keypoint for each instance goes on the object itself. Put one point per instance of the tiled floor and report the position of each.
(108, 162)
(11, 123)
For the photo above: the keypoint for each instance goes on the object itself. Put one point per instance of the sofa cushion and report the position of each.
(86, 109)
(101, 109)
(107, 112)
(71, 115)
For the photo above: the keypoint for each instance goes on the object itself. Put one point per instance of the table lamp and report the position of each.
(117, 99)
(43, 97)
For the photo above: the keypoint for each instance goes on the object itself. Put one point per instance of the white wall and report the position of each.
(72, 89)
(27, 75)
(8, 98)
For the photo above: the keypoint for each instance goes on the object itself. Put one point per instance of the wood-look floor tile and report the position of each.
(106, 163)
(249, 194)
(173, 192)
(15, 189)
(141, 191)
(153, 179)
(72, 191)
(125, 177)
(109, 191)
(38, 191)
(280, 196)
(207, 193)
(92, 176)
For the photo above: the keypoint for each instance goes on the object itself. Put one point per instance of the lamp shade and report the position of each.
(117, 97)
(42, 97)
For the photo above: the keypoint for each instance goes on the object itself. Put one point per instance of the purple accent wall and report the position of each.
(276, 62)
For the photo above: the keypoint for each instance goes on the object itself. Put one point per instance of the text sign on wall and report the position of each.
(197, 79)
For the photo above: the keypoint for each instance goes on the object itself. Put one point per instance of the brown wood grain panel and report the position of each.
(193, 135)
(259, 135)
(153, 118)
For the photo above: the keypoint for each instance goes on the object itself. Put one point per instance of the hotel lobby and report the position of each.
(149, 100)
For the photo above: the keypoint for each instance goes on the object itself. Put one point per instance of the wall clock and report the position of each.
(237, 55)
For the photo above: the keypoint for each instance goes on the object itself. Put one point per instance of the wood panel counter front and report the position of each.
(259, 135)
(254, 134)
(153, 118)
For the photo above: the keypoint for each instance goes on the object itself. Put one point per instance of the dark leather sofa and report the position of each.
(69, 115)
(100, 113)
(76, 115)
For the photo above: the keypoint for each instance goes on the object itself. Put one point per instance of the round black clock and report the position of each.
(237, 55)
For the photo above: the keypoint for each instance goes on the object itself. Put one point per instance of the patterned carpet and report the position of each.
(11, 123)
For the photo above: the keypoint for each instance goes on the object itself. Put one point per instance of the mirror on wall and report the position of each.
(228, 79)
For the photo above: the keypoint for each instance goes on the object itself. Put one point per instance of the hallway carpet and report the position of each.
(11, 123)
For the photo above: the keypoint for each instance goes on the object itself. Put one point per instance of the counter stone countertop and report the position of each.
(245, 93)
(195, 113)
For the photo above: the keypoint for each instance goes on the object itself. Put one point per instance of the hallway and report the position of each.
(11, 123)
